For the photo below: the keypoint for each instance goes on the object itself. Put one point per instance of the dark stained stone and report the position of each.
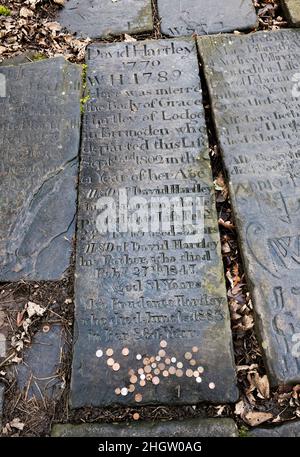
(254, 87)
(187, 428)
(144, 135)
(185, 17)
(38, 374)
(288, 430)
(40, 130)
(96, 19)
(292, 10)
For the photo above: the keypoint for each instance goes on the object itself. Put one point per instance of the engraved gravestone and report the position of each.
(255, 92)
(96, 19)
(40, 128)
(152, 323)
(292, 9)
(185, 17)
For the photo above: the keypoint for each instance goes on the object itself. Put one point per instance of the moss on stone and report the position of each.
(4, 11)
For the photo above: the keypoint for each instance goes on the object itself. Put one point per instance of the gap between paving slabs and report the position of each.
(38, 416)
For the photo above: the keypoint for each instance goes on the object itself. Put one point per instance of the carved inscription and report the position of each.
(185, 17)
(39, 128)
(95, 19)
(144, 138)
(253, 83)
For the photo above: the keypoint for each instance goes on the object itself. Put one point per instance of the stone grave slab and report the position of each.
(287, 430)
(38, 375)
(96, 19)
(186, 17)
(40, 131)
(292, 10)
(254, 87)
(152, 323)
(187, 428)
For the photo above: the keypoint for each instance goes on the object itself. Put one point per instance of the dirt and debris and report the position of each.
(26, 308)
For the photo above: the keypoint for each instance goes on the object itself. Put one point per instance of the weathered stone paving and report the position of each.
(96, 19)
(254, 86)
(1, 403)
(287, 430)
(185, 17)
(152, 323)
(187, 428)
(40, 129)
(292, 9)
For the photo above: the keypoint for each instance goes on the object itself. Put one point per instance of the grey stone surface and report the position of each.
(144, 135)
(254, 87)
(38, 375)
(187, 428)
(292, 10)
(288, 430)
(185, 17)
(1, 403)
(96, 19)
(40, 130)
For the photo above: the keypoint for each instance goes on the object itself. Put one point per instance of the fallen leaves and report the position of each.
(14, 424)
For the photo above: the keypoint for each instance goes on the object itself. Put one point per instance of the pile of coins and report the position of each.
(155, 368)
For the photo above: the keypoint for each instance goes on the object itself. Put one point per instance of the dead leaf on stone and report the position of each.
(254, 418)
(26, 12)
(129, 39)
(34, 309)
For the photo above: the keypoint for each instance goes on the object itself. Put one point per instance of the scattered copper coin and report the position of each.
(143, 377)
(125, 351)
(212, 385)
(168, 361)
(200, 369)
(163, 344)
(109, 352)
(165, 373)
(142, 382)
(140, 370)
(131, 388)
(124, 391)
(110, 362)
(135, 416)
(196, 374)
(118, 391)
(161, 366)
(199, 379)
(192, 362)
(116, 367)
(173, 359)
(138, 357)
(133, 379)
(179, 373)
(188, 355)
(179, 365)
(155, 380)
(161, 353)
(172, 370)
(99, 353)
(148, 377)
(146, 361)
(158, 358)
(138, 398)
(153, 365)
(189, 373)
(152, 359)
(131, 372)
(157, 371)
(148, 369)
(195, 349)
